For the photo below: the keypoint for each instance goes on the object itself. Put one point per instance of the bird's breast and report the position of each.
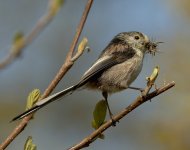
(119, 76)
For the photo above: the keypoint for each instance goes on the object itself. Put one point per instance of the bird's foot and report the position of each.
(113, 122)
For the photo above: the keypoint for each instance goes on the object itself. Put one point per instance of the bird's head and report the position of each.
(137, 40)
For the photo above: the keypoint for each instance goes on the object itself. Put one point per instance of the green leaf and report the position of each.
(153, 76)
(18, 36)
(60, 2)
(94, 125)
(54, 6)
(29, 144)
(99, 114)
(17, 43)
(83, 44)
(32, 98)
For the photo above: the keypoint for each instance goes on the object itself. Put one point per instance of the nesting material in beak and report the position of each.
(152, 47)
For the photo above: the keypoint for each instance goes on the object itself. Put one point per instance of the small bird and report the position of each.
(117, 67)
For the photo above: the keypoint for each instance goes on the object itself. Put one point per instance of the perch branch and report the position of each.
(139, 100)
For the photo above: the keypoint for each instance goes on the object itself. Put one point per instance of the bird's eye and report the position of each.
(137, 37)
(154, 46)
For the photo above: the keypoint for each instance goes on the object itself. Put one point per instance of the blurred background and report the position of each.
(162, 124)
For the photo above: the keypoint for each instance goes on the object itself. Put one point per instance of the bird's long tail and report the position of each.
(45, 101)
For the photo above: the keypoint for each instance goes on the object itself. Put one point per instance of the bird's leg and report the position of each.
(136, 88)
(105, 95)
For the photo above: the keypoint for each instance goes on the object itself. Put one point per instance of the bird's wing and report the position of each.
(100, 65)
(106, 61)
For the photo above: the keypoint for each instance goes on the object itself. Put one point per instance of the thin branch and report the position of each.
(68, 61)
(38, 28)
(6, 60)
(139, 100)
(63, 70)
(79, 29)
